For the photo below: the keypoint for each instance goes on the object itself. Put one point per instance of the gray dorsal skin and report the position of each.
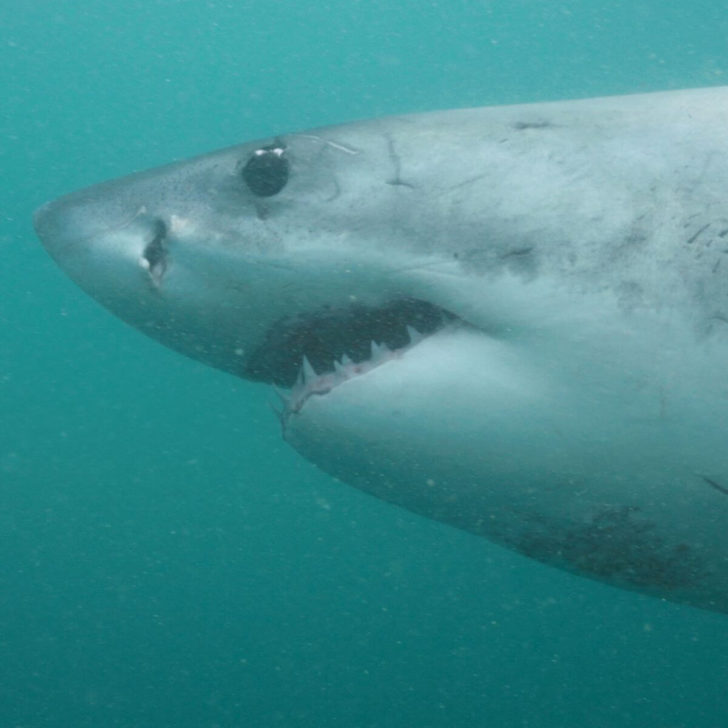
(564, 266)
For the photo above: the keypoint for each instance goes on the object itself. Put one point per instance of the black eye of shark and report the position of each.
(354, 334)
(267, 170)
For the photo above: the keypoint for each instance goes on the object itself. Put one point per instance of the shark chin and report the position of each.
(511, 320)
(421, 426)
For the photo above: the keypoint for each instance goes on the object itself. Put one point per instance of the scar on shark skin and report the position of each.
(542, 124)
(617, 545)
(394, 158)
(717, 486)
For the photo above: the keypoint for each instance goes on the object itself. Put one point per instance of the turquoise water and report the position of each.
(166, 560)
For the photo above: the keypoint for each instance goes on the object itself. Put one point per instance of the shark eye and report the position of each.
(266, 172)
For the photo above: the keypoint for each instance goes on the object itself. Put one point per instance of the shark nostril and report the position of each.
(154, 257)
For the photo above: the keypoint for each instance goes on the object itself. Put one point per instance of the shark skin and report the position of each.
(513, 320)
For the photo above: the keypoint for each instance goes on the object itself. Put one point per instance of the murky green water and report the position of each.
(165, 559)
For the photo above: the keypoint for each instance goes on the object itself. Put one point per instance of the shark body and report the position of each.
(513, 320)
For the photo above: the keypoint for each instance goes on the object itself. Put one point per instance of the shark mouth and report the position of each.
(311, 353)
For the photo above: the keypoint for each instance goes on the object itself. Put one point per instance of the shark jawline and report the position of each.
(326, 337)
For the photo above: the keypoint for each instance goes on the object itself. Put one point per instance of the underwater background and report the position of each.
(165, 559)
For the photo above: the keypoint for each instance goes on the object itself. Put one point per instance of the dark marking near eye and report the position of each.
(717, 486)
(266, 172)
(521, 125)
(262, 212)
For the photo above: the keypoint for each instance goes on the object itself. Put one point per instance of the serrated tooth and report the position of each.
(346, 361)
(309, 372)
(413, 334)
(338, 367)
(375, 350)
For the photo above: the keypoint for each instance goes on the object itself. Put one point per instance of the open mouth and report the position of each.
(313, 352)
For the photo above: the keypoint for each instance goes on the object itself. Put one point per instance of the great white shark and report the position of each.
(513, 320)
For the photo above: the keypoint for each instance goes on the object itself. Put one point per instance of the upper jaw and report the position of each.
(329, 337)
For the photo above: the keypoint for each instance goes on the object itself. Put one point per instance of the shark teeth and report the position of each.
(309, 382)
(308, 372)
(379, 351)
(414, 336)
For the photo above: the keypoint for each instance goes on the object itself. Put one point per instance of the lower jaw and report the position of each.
(448, 430)
(469, 429)
(491, 438)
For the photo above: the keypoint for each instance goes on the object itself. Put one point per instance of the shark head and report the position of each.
(250, 258)
(510, 320)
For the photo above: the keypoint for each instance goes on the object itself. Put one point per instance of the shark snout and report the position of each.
(72, 225)
(80, 225)
(111, 248)
(51, 225)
